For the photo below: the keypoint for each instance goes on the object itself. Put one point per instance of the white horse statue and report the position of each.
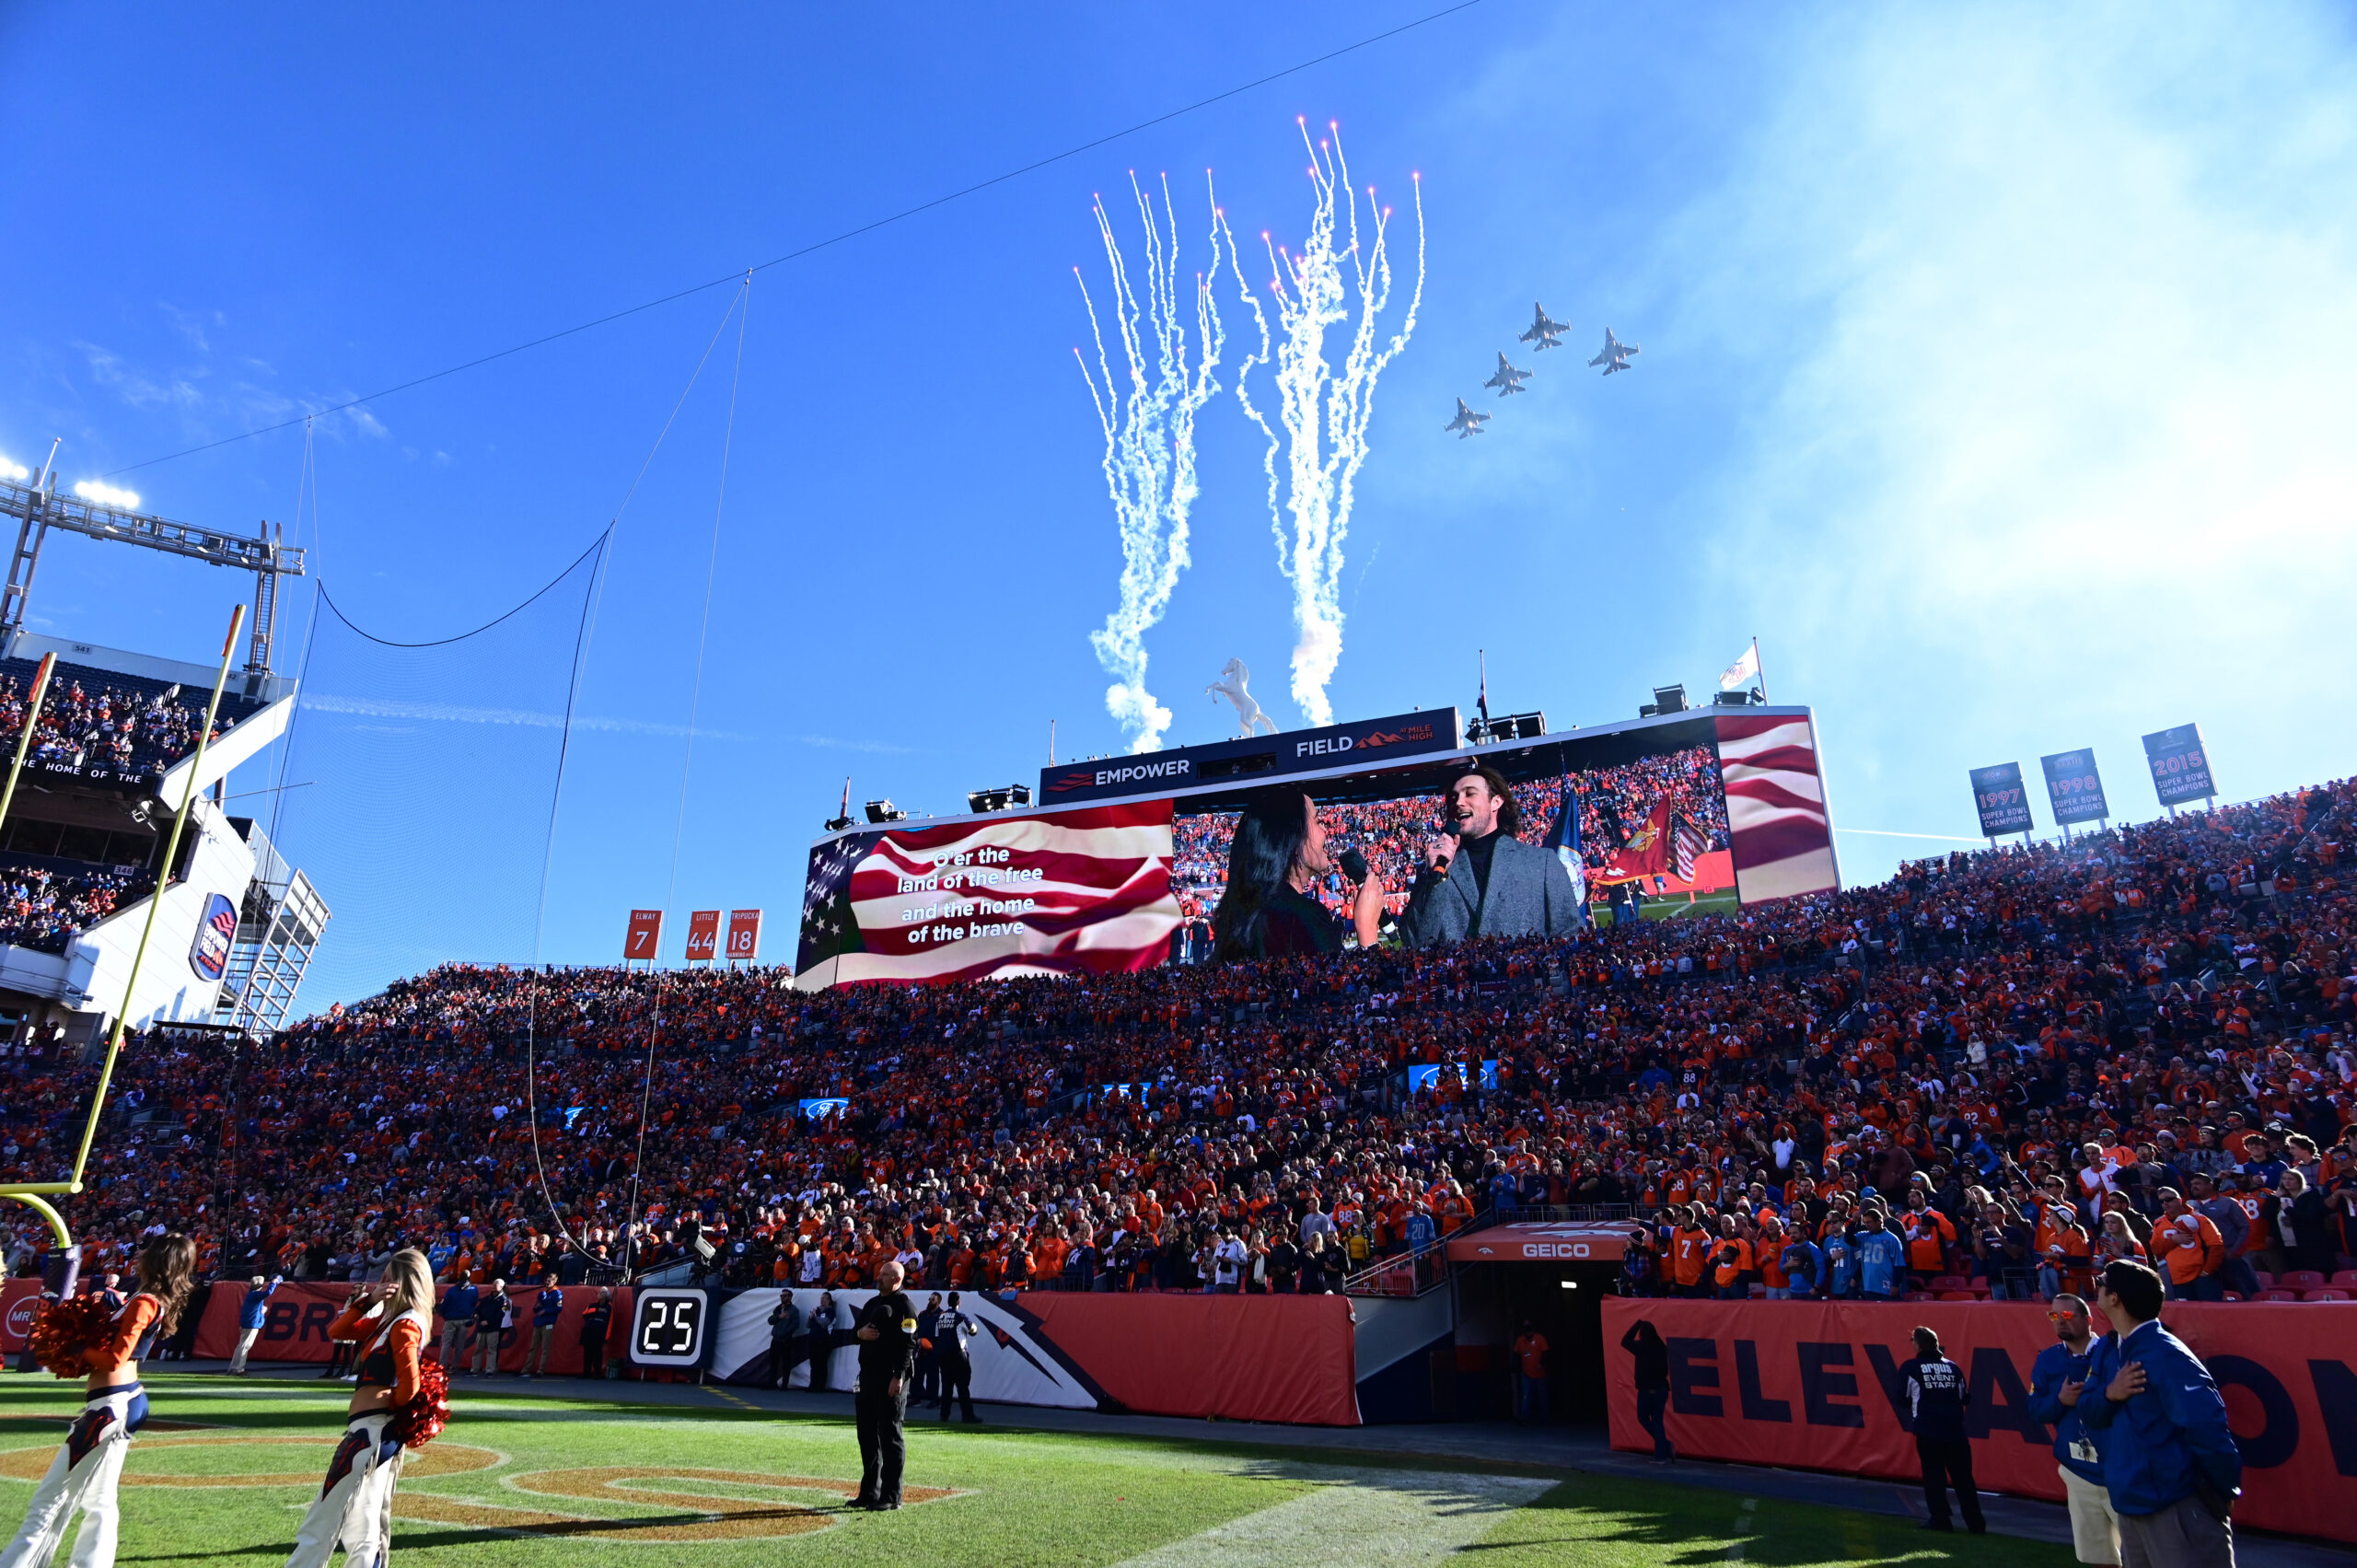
(1231, 683)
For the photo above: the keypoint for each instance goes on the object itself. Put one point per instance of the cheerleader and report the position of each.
(83, 1475)
(356, 1503)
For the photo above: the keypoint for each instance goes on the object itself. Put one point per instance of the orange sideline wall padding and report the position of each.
(1812, 1383)
(1287, 1358)
(296, 1327)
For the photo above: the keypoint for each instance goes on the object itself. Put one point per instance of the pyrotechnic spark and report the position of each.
(1324, 410)
(1149, 442)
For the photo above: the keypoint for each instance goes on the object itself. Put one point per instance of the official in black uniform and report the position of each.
(1936, 1397)
(887, 1355)
(950, 1334)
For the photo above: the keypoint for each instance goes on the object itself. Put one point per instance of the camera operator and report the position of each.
(1270, 908)
(1480, 880)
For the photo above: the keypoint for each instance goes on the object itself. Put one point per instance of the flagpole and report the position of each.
(1759, 669)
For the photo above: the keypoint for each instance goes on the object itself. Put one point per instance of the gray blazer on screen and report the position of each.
(1529, 894)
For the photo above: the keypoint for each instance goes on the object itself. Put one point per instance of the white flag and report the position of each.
(1743, 671)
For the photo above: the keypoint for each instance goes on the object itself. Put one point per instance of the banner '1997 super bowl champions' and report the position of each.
(2002, 801)
(1124, 861)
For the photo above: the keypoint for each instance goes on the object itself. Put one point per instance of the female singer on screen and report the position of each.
(83, 1474)
(1270, 908)
(356, 1503)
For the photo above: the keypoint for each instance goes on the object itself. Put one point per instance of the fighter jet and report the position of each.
(1615, 354)
(1508, 380)
(1543, 331)
(1466, 421)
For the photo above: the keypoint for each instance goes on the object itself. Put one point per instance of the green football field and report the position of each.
(533, 1482)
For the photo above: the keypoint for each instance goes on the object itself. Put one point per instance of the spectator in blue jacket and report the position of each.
(1882, 1259)
(1804, 1268)
(457, 1324)
(2169, 1459)
(548, 1306)
(2057, 1382)
(253, 1312)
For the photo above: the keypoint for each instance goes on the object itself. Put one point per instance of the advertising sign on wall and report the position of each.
(209, 954)
(2003, 800)
(2180, 765)
(2073, 788)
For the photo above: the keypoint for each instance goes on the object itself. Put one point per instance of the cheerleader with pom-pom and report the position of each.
(399, 1404)
(86, 1337)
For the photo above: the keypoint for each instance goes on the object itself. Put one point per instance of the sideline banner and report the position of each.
(295, 1326)
(1279, 1358)
(17, 1300)
(1816, 1383)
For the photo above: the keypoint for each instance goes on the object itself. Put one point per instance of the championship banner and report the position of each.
(1817, 1384)
(703, 935)
(2180, 767)
(2073, 788)
(645, 938)
(2001, 800)
(1080, 891)
(744, 936)
(1281, 1358)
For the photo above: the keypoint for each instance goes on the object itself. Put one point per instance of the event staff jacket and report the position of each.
(2075, 1445)
(2157, 1442)
(1936, 1395)
(893, 1352)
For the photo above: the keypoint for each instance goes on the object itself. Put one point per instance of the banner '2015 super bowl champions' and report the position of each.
(1122, 862)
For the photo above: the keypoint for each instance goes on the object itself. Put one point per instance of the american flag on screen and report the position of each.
(1784, 838)
(1081, 891)
(1687, 844)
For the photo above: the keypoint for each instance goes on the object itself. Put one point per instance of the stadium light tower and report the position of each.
(38, 507)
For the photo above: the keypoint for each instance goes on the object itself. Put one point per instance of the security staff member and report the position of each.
(887, 1355)
(1936, 1395)
(950, 1334)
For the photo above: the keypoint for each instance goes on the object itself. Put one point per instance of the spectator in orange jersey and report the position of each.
(1929, 1234)
(1689, 1250)
(1731, 1261)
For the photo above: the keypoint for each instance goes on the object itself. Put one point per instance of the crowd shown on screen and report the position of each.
(1614, 802)
(1984, 1075)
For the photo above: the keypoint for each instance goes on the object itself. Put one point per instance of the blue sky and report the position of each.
(1996, 373)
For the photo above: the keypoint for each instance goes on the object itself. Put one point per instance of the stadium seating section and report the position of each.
(118, 727)
(2018, 1056)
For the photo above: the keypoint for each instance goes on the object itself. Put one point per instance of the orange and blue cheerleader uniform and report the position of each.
(356, 1503)
(84, 1475)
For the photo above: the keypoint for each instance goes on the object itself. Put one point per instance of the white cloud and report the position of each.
(2052, 320)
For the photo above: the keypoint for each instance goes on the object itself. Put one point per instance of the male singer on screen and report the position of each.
(1480, 880)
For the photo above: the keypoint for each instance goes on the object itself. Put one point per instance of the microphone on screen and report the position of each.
(1353, 865)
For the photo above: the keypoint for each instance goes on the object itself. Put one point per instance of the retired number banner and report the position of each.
(2000, 796)
(645, 938)
(703, 935)
(1816, 1383)
(2180, 767)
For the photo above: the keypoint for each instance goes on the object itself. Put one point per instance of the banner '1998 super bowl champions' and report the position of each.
(2180, 765)
(2001, 800)
(2073, 788)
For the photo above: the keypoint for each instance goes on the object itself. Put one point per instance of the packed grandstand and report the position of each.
(2019, 1063)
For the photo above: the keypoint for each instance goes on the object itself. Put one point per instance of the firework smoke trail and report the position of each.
(1324, 410)
(1149, 443)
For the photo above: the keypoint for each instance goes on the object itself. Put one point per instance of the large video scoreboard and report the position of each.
(1124, 858)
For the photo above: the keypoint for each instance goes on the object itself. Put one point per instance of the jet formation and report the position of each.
(1544, 332)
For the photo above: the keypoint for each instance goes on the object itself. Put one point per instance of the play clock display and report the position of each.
(667, 1327)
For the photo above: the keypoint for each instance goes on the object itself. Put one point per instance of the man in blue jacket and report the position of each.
(2056, 1385)
(2169, 1459)
(253, 1312)
(1882, 1259)
(458, 1323)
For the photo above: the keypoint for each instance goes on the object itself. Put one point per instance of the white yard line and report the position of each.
(1364, 1517)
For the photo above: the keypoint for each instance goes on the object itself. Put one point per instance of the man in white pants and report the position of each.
(2056, 1382)
(252, 1313)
